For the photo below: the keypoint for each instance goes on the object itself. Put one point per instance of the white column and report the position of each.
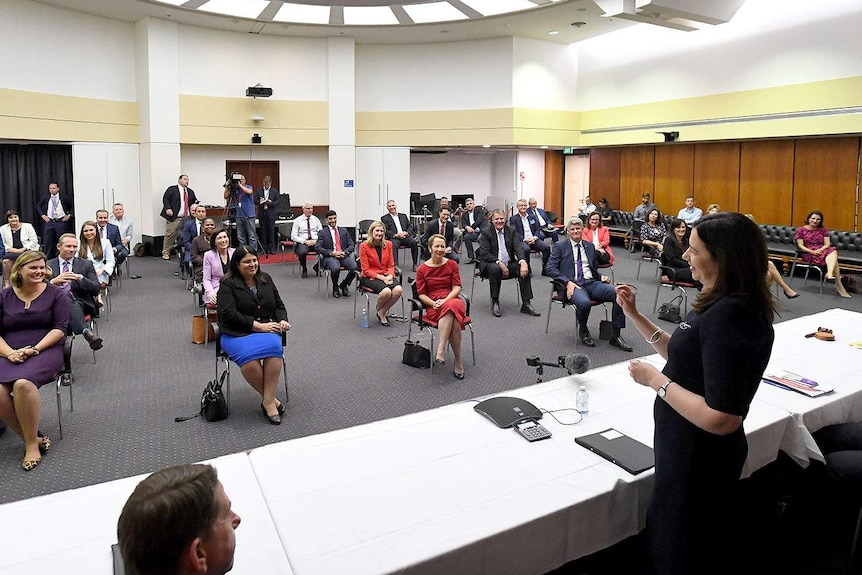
(158, 88)
(342, 129)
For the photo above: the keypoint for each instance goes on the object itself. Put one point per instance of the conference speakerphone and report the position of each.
(514, 412)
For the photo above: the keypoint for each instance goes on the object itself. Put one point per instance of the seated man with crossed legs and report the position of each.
(573, 264)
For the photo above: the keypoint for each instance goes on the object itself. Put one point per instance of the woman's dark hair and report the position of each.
(815, 212)
(10, 213)
(601, 223)
(676, 223)
(215, 233)
(656, 210)
(238, 254)
(739, 249)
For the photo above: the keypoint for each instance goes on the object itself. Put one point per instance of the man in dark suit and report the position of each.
(472, 223)
(527, 228)
(192, 229)
(336, 245)
(546, 229)
(445, 228)
(112, 233)
(399, 231)
(77, 277)
(502, 257)
(56, 211)
(266, 198)
(573, 267)
(176, 205)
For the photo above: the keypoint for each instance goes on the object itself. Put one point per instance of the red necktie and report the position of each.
(337, 239)
(185, 202)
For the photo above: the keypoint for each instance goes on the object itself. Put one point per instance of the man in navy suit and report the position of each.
(573, 267)
(77, 277)
(112, 233)
(527, 228)
(502, 257)
(336, 245)
(445, 228)
(399, 231)
(472, 223)
(546, 228)
(192, 229)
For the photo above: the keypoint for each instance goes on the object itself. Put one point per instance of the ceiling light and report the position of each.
(302, 14)
(494, 7)
(486, 145)
(553, 32)
(433, 12)
(544, 147)
(369, 16)
(240, 8)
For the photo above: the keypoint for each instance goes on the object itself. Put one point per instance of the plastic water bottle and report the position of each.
(363, 321)
(582, 401)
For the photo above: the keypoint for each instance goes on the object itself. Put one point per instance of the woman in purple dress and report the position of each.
(34, 316)
(812, 240)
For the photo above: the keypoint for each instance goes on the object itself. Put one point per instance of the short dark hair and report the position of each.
(675, 223)
(216, 232)
(645, 195)
(165, 512)
(739, 249)
(815, 212)
(10, 213)
(329, 213)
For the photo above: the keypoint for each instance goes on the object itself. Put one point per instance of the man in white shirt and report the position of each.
(125, 225)
(304, 236)
(690, 213)
(588, 207)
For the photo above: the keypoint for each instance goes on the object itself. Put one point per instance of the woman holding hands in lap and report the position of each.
(715, 360)
(34, 316)
(251, 319)
(216, 264)
(812, 240)
(378, 270)
(438, 283)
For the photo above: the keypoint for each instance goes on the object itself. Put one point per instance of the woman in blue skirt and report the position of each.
(251, 319)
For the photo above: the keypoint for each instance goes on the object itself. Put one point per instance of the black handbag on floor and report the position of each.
(416, 355)
(670, 311)
(213, 404)
(602, 258)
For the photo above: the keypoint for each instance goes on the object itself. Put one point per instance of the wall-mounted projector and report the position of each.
(258, 92)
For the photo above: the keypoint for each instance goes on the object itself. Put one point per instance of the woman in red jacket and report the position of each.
(378, 270)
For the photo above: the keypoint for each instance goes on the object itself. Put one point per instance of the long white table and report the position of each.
(446, 491)
(71, 532)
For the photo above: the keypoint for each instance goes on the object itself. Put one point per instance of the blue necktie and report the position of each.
(504, 255)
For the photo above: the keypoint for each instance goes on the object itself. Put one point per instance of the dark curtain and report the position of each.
(25, 172)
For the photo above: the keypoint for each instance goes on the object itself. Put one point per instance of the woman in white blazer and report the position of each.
(18, 237)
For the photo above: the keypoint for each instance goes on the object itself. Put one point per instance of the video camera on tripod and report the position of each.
(231, 191)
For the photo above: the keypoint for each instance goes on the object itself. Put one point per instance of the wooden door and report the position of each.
(637, 176)
(716, 175)
(766, 181)
(674, 176)
(825, 180)
(255, 170)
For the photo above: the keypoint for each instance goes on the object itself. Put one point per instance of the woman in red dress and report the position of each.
(438, 283)
(812, 240)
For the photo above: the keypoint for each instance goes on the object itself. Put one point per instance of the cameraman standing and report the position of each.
(240, 197)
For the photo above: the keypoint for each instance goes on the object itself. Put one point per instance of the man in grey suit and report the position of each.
(573, 267)
(399, 231)
(502, 257)
(77, 277)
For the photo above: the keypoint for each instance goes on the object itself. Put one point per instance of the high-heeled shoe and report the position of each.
(281, 409)
(459, 375)
(44, 444)
(30, 464)
(273, 419)
(439, 361)
(380, 320)
(788, 296)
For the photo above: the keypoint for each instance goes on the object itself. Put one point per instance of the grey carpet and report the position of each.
(340, 375)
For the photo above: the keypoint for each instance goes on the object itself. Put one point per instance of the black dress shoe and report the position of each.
(344, 291)
(618, 341)
(281, 409)
(304, 274)
(529, 310)
(495, 309)
(316, 269)
(273, 419)
(94, 340)
(587, 339)
(335, 292)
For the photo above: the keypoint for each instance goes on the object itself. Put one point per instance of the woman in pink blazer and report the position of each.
(597, 234)
(216, 263)
(378, 270)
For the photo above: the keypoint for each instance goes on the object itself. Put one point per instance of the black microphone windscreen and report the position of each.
(577, 363)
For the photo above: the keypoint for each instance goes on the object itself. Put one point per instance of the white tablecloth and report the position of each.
(71, 532)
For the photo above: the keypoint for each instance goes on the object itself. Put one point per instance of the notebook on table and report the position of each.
(620, 449)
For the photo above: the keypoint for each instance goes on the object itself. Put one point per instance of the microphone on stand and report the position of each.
(575, 363)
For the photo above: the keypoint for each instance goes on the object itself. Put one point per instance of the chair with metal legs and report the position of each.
(417, 316)
(556, 287)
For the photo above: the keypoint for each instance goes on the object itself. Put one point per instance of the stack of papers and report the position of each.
(797, 383)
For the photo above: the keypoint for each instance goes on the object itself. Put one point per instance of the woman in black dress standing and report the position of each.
(715, 360)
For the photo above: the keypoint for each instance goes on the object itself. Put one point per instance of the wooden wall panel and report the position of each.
(637, 175)
(553, 200)
(716, 175)
(825, 180)
(674, 176)
(766, 181)
(605, 175)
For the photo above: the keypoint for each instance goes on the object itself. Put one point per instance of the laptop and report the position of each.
(620, 449)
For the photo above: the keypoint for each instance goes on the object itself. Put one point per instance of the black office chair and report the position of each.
(64, 379)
